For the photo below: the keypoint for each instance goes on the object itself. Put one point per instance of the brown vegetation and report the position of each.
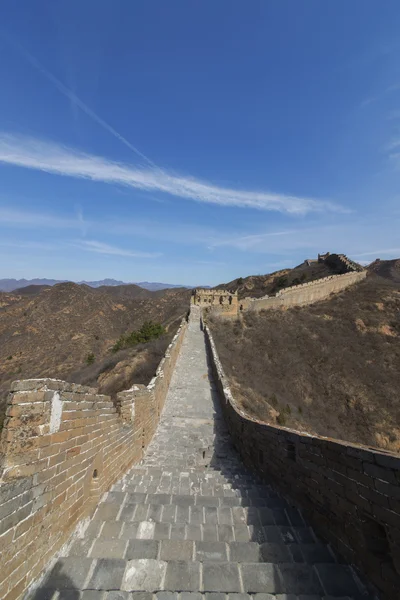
(331, 368)
(256, 286)
(52, 333)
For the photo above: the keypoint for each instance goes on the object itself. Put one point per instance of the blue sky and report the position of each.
(195, 142)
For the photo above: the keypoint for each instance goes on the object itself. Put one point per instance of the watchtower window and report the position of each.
(230, 299)
(221, 299)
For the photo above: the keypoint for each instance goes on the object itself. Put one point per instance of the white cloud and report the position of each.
(25, 218)
(26, 245)
(395, 143)
(377, 253)
(101, 248)
(350, 237)
(52, 158)
(250, 242)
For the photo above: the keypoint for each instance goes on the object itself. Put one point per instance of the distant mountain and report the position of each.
(9, 285)
(154, 286)
(96, 284)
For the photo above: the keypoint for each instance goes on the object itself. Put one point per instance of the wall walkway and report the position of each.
(191, 520)
(62, 447)
(350, 493)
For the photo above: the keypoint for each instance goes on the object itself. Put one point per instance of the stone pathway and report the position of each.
(191, 523)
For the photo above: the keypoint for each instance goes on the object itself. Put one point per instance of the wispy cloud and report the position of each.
(352, 237)
(392, 145)
(81, 219)
(29, 219)
(393, 115)
(27, 245)
(379, 252)
(379, 96)
(209, 262)
(52, 158)
(76, 102)
(101, 248)
(252, 241)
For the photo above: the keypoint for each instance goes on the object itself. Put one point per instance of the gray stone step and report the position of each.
(154, 575)
(123, 547)
(194, 488)
(196, 515)
(192, 523)
(126, 497)
(110, 530)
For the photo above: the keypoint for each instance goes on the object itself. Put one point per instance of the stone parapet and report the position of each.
(350, 493)
(304, 293)
(63, 445)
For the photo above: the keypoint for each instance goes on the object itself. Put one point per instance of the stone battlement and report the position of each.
(349, 492)
(222, 301)
(63, 446)
(304, 293)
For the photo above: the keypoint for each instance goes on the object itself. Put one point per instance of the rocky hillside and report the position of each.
(389, 269)
(52, 332)
(256, 286)
(332, 368)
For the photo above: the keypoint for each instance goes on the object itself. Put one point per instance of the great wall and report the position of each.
(227, 303)
(173, 492)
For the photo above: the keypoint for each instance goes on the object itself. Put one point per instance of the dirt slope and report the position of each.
(256, 286)
(332, 368)
(389, 269)
(51, 334)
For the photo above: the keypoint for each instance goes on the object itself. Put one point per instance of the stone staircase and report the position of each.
(192, 522)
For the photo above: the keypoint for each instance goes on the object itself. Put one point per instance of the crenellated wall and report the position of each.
(63, 445)
(350, 493)
(304, 293)
(222, 302)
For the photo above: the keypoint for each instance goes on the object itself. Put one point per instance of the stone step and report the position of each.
(167, 549)
(155, 575)
(197, 515)
(125, 498)
(235, 469)
(193, 488)
(228, 475)
(109, 530)
(272, 501)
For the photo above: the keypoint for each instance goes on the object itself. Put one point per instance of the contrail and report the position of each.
(74, 98)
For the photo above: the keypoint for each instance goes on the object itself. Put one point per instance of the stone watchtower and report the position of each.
(222, 301)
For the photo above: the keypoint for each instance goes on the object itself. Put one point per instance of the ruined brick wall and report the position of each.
(221, 302)
(350, 493)
(304, 293)
(63, 446)
(342, 263)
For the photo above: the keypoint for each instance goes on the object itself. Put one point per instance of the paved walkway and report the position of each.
(191, 523)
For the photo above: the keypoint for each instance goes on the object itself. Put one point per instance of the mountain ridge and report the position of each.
(10, 285)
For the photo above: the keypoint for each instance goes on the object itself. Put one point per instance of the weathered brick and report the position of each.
(387, 516)
(382, 473)
(393, 491)
(374, 496)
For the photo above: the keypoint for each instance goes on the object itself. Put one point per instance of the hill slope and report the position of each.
(331, 368)
(51, 333)
(389, 269)
(256, 286)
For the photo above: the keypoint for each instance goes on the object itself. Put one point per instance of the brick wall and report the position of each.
(62, 447)
(304, 293)
(350, 493)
